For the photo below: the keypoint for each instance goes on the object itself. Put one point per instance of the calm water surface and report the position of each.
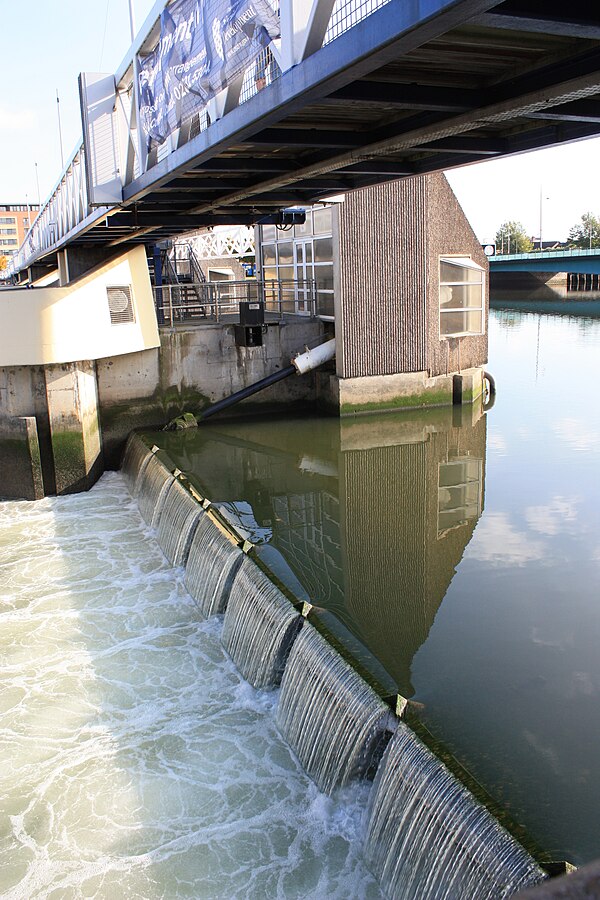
(463, 552)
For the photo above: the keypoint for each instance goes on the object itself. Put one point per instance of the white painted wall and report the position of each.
(64, 324)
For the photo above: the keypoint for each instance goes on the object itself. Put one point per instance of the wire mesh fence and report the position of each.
(347, 13)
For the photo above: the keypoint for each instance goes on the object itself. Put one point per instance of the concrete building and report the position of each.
(402, 277)
(15, 220)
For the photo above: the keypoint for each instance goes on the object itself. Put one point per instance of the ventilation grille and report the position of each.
(120, 305)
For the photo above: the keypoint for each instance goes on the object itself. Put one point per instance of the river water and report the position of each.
(459, 553)
(136, 761)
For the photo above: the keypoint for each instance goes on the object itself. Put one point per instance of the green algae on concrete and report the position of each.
(408, 401)
(21, 471)
(70, 463)
(119, 419)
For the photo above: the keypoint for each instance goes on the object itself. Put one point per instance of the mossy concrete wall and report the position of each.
(74, 425)
(194, 368)
(82, 412)
(21, 470)
(408, 390)
(49, 429)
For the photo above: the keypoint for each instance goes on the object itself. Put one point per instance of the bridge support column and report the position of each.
(50, 439)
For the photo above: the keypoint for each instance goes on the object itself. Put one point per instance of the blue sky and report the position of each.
(52, 42)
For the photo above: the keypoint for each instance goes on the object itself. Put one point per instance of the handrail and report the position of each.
(207, 302)
(70, 209)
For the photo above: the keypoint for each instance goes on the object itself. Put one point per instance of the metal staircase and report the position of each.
(181, 271)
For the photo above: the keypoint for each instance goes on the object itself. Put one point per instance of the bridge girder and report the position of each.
(409, 89)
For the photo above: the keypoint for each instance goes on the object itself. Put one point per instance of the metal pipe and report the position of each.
(248, 391)
(302, 363)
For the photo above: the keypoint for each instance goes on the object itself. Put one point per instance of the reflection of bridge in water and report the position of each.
(366, 519)
(354, 94)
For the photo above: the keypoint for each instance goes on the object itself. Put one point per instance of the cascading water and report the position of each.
(136, 761)
(260, 626)
(429, 837)
(135, 458)
(211, 567)
(332, 719)
(154, 482)
(177, 524)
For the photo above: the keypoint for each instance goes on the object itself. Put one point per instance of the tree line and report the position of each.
(511, 237)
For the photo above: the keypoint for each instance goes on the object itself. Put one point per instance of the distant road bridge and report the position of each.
(576, 261)
(354, 92)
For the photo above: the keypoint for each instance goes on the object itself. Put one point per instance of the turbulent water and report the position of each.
(136, 761)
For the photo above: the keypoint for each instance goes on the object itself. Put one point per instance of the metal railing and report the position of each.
(207, 302)
(75, 205)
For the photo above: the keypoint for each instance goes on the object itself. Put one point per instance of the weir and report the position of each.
(154, 482)
(260, 626)
(212, 564)
(332, 719)
(426, 836)
(177, 523)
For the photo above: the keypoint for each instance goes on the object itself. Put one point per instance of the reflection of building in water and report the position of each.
(307, 530)
(409, 510)
(371, 516)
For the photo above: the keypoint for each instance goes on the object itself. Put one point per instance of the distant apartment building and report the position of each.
(15, 220)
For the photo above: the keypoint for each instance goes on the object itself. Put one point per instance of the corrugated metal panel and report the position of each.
(383, 243)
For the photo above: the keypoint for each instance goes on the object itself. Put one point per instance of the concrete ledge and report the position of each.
(408, 390)
(581, 885)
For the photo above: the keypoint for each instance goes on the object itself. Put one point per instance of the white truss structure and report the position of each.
(224, 242)
(92, 189)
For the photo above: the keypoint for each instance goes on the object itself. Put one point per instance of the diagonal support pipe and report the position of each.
(300, 364)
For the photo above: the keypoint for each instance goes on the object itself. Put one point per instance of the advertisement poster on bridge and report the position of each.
(204, 45)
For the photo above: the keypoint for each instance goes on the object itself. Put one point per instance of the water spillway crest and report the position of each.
(177, 523)
(154, 482)
(135, 459)
(427, 836)
(260, 626)
(334, 722)
(211, 567)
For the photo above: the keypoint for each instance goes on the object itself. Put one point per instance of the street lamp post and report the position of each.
(542, 198)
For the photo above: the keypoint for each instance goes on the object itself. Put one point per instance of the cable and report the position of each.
(104, 35)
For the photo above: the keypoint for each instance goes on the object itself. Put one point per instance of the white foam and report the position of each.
(136, 761)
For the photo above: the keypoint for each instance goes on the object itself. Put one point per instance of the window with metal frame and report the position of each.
(461, 296)
(301, 254)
